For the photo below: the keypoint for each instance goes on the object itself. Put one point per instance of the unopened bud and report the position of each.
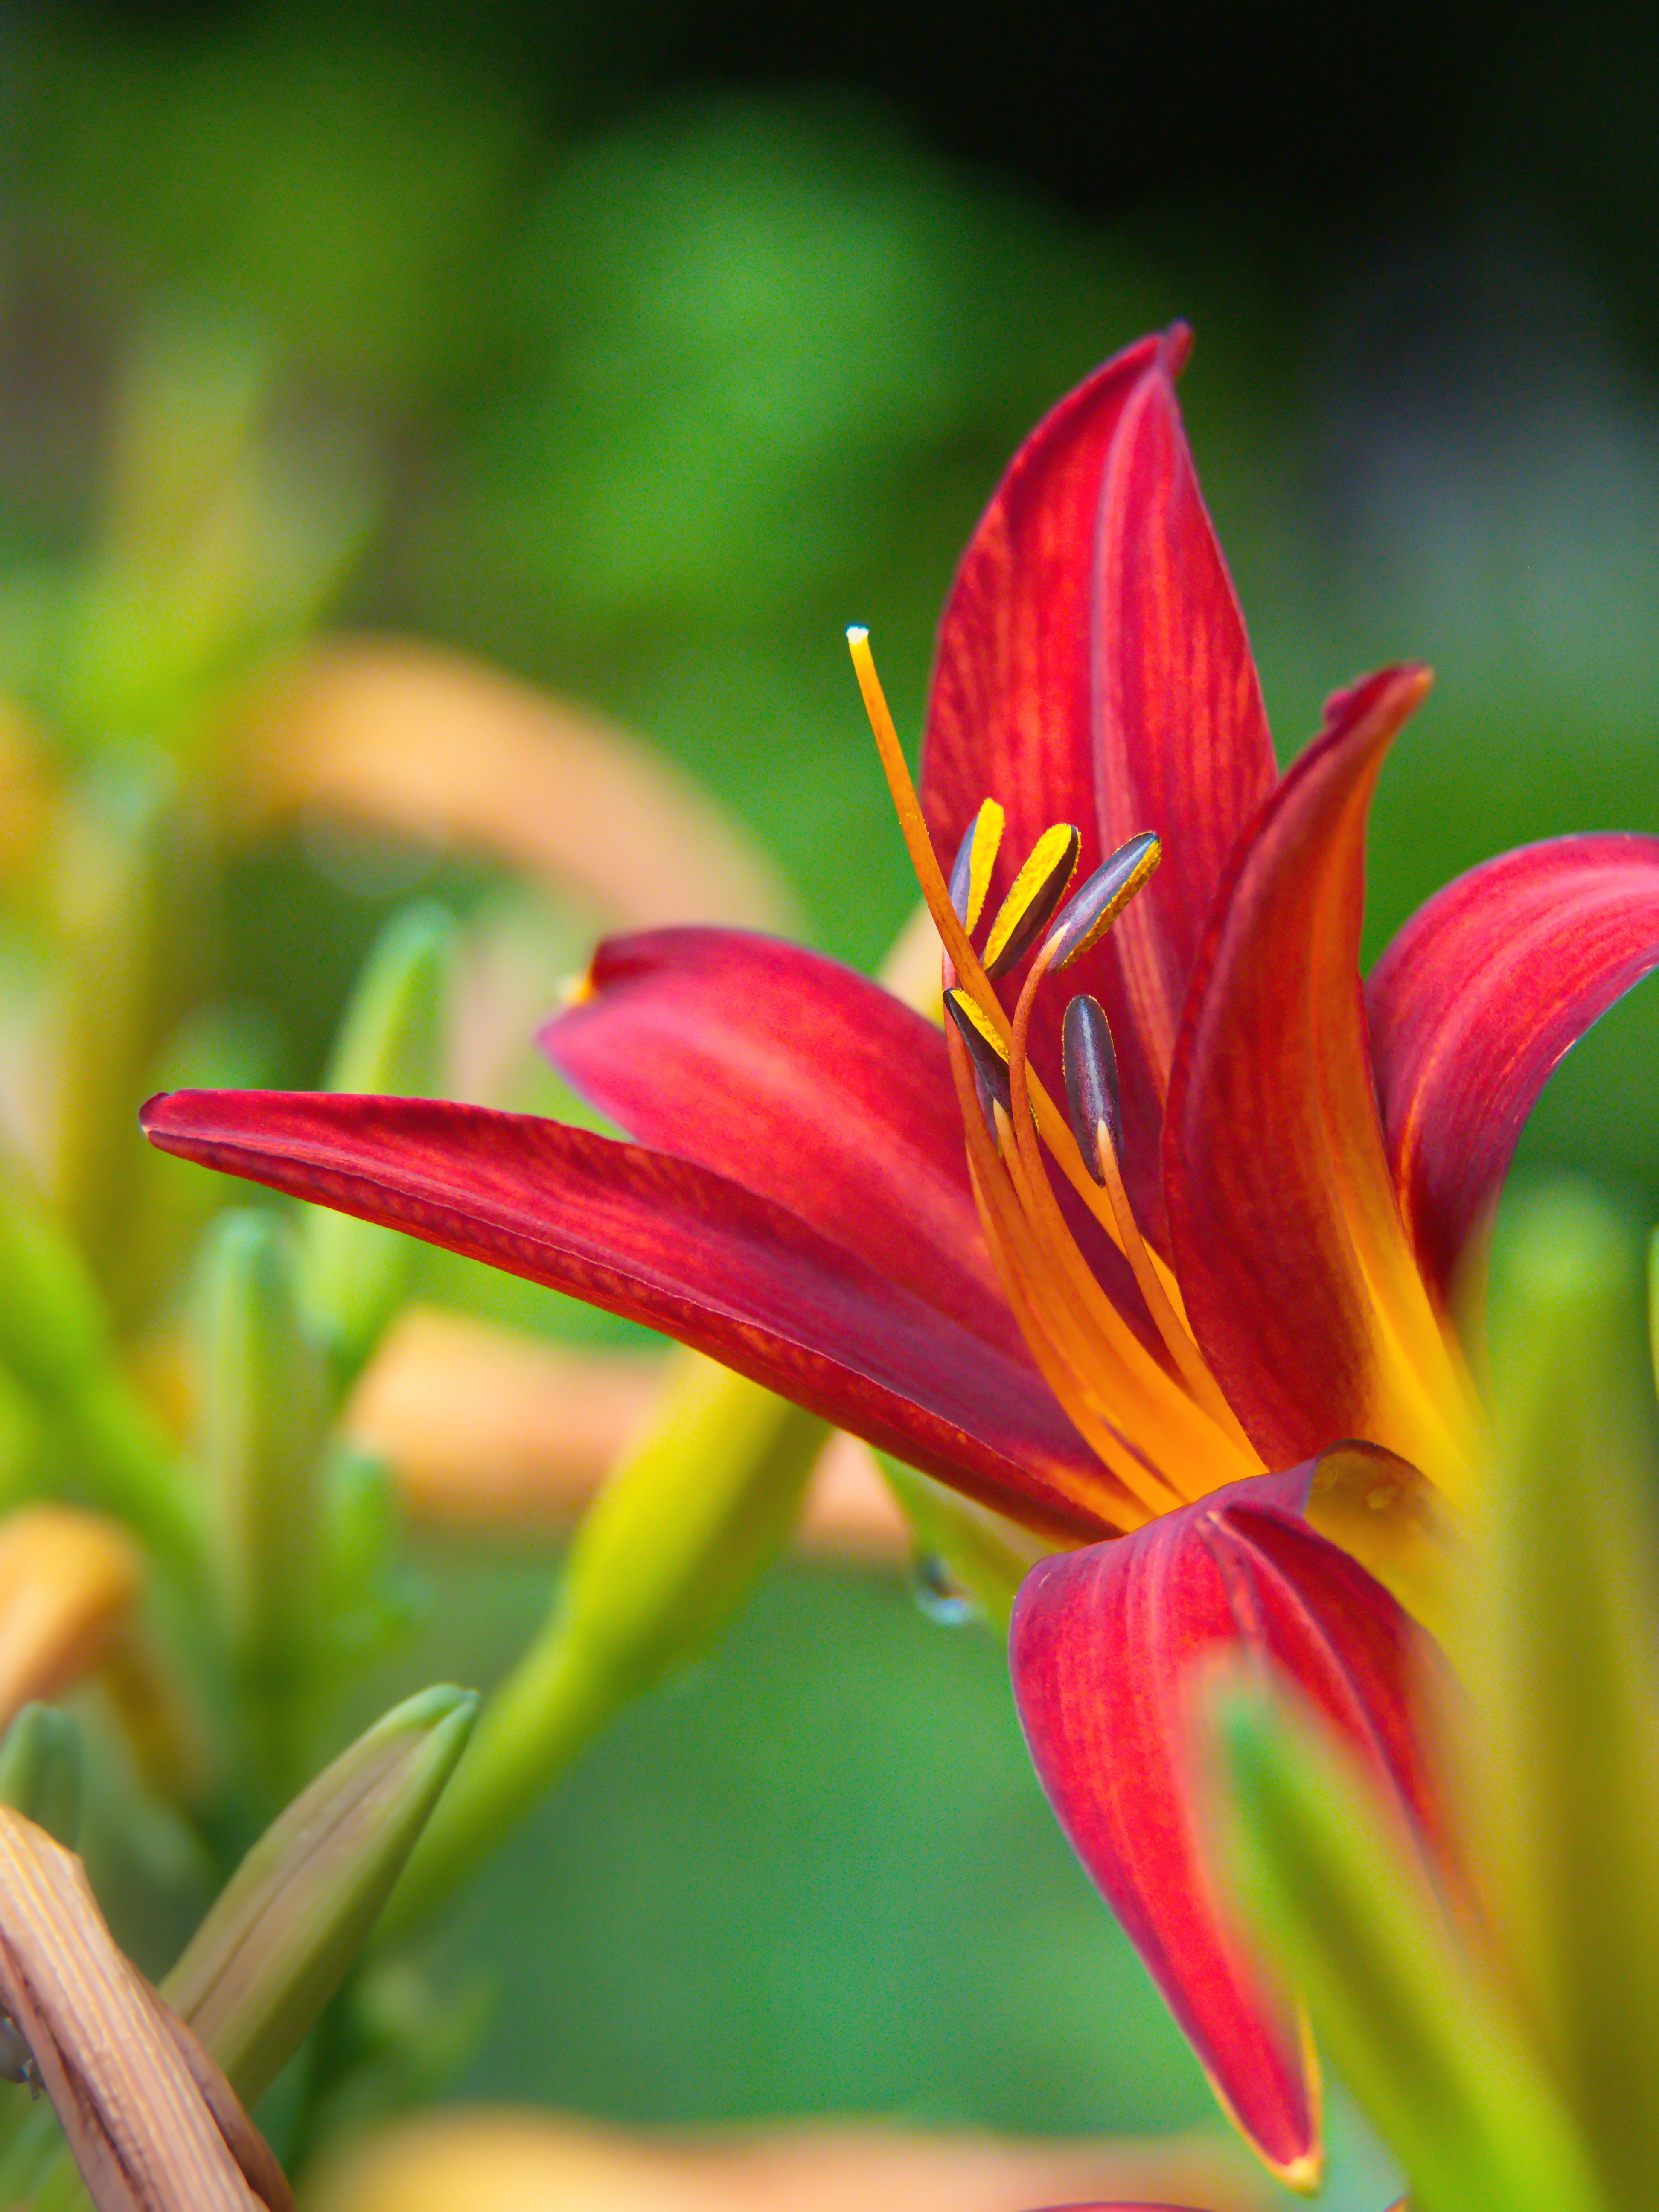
(352, 1274)
(41, 1770)
(294, 1915)
(666, 1553)
(1558, 1654)
(263, 1423)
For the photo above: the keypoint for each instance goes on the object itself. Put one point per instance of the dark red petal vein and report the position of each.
(1093, 668)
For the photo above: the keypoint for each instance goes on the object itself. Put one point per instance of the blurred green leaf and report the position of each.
(1425, 2042)
(41, 1770)
(331, 178)
(1563, 1740)
(673, 1542)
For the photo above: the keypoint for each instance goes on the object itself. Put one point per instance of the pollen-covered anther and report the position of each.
(1037, 890)
(1091, 1093)
(985, 1050)
(1098, 905)
(970, 875)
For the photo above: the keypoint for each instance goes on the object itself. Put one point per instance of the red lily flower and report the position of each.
(1247, 1254)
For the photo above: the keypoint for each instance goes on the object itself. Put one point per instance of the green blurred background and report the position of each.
(639, 349)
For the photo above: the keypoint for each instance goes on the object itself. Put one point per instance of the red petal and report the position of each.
(1478, 997)
(665, 1242)
(1093, 668)
(1109, 1648)
(1298, 1279)
(803, 1081)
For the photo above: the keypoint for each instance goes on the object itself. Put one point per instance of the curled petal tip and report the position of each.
(1398, 690)
(1176, 347)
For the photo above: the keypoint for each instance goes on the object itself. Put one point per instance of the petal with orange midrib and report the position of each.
(1299, 1281)
(1093, 668)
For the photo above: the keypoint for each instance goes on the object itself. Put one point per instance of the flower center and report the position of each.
(1138, 1391)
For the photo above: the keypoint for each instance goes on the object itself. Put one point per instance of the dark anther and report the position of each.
(1091, 1081)
(1102, 898)
(988, 1061)
(962, 873)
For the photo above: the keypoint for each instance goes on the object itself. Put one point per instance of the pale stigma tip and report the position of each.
(856, 633)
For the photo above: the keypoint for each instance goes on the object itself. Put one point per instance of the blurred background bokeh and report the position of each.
(631, 351)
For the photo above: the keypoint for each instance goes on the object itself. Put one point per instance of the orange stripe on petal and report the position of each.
(1299, 1282)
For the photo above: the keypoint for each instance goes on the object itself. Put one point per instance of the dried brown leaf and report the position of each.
(151, 2128)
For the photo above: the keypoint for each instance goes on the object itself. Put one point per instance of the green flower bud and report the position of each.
(294, 1915)
(352, 1274)
(1562, 1736)
(263, 1425)
(665, 1555)
(41, 1770)
(1420, 2033)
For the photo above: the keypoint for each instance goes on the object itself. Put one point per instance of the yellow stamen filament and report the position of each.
(1144, 1394)
(1107, 1380)
(1189, 1359)
(1143, 1398)
(1043, 1321)
(1132, 1494)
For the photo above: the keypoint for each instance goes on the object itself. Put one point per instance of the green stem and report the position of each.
(549, 1708)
